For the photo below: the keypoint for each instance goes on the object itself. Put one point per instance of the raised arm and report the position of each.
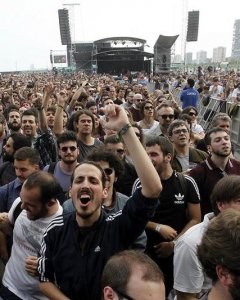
(58, 121)
(117, 119)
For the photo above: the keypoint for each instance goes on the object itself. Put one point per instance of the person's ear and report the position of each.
(224, 276)
(109, 294)
(104, 193)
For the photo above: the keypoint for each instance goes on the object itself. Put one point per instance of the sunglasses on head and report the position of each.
(108, 171)
(65, 149)
(167, 116)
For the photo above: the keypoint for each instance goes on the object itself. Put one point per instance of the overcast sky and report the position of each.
(30, 28)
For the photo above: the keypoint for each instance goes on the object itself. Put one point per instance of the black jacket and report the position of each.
(74, 257)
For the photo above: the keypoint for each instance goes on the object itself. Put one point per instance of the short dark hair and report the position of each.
(220, 244)
(47, 184)
(113, 139)
(93, 163)
(103, 155)
(20, 140)
(207, 138)
(29, 153)
(225, 190)
(191, 82)
(30, 112)
(177, 123)
(51, 108)
(66, 136)
(120, 267)
(90, 104)
(163, 142)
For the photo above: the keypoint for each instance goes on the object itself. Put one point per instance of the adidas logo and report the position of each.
(179, 198)
(97, 249)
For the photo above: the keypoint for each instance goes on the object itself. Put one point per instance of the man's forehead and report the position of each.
(85, 169)
(219, 134)
(114, 146)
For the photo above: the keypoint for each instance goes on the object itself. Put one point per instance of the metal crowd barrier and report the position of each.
(207, 112)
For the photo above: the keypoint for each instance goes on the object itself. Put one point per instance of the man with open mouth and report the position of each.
(76, 246)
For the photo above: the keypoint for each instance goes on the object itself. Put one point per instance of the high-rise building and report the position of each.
(189, 58)
(201, 57)
(177, 59)
(219, 54)
(236, 41)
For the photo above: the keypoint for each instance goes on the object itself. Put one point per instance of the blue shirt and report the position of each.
(8, 193)
(189, 97)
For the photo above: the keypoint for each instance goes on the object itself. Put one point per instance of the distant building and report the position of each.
(177, 59)
(236, 41)
(201, 57)
(219, 54)
(189, 58)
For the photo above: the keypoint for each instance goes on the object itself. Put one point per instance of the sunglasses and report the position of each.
(123, 295)
(65, 149)
(192, 114)
(178, 131)
(120, 151)
(148, 107)
(167, 116)
(108, 171)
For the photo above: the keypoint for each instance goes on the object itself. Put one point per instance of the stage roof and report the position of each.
(121, 38)
(165, 42)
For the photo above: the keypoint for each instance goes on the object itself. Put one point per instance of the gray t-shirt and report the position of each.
(63, 178)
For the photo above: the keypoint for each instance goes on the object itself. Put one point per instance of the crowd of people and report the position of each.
(111, 191)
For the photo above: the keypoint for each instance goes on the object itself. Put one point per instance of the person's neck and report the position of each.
(89, 221)
(68, 167)
(181, 150)
(220, 161)
(166, 173)
(163, 129)
(53, 209)
(218, 292)
(108, 201)
(87, 139)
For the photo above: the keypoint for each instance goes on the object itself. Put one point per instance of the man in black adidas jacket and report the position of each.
(76, 246)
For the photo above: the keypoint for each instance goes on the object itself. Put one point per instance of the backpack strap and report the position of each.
(183, 182)
(51, 167)
(17, 211)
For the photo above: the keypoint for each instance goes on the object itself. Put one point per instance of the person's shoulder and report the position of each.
(57, 224)
(97, 142)
(199, 152)
(192, 237)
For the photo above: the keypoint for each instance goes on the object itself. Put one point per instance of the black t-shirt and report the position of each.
(172, 207)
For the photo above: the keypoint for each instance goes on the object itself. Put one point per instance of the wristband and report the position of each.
(158, 227)
(40, 108)
(124, 129)
(60, 106)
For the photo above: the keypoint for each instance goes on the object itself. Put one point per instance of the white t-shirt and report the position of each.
(27, 239)
(188, 272)
(197, 128)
